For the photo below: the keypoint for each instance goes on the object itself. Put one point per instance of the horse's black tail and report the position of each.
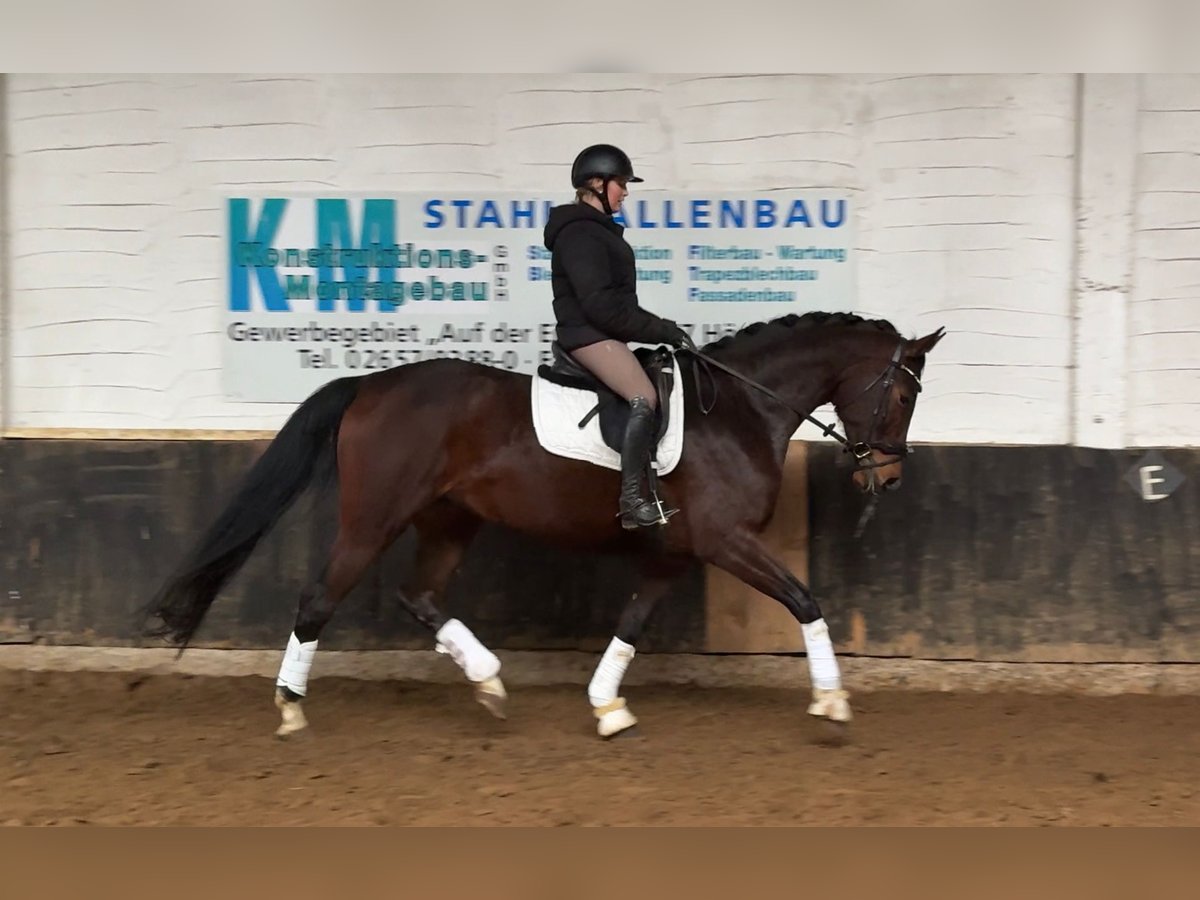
(306, 447)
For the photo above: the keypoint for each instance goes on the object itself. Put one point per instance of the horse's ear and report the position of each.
(922, 345)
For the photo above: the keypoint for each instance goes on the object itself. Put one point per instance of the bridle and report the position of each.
(886, 378)
(861, 450)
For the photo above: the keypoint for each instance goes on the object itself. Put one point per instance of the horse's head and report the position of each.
(875, 399)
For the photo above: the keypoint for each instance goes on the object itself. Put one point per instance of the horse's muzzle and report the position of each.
(884, 473)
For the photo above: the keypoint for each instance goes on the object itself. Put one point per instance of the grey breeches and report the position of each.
(614, 364)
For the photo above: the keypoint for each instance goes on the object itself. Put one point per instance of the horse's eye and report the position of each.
(904, 401)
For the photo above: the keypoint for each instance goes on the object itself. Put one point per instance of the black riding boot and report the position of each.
(637, 510)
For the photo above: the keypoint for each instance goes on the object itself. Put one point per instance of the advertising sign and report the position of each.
(324, 286)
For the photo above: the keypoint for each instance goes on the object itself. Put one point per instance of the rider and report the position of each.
(594, 278)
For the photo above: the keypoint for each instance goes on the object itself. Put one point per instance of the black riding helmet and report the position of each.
(602, 161)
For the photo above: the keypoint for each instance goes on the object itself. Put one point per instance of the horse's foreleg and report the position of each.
(612, 713)
(478, 663)
(744, 556)
(444, 532)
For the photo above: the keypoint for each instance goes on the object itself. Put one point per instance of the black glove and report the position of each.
(677, 337)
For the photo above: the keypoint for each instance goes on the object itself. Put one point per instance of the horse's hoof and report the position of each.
(491, 696)
(287, 732)
(293, 716)
(614, 719)
(630, 733)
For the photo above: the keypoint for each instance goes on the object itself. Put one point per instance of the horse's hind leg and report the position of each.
(379, 493)
(444, 532)
(350, 557)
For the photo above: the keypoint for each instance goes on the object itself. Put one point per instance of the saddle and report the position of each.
(610, 407)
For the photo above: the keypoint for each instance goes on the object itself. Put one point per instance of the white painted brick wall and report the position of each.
(4, 264)
(964, 186)
(1164, 313)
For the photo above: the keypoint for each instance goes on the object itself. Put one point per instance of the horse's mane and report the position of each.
(807, 321)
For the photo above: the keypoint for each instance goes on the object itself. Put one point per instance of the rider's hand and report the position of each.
(678, 338)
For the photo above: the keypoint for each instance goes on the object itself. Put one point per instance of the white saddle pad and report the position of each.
(558, 410)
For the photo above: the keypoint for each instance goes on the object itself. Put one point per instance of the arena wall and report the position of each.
(1045, 220)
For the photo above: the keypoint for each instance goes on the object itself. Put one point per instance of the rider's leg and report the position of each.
(616, 365)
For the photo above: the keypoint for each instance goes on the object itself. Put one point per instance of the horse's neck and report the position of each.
(799, 370)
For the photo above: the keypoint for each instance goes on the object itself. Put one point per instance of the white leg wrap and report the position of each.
(477, 661)
(612, 715)
(297, 662)
(822, 663)
(829, 700)
(606, 682)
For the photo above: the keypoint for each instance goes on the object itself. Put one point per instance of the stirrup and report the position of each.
(647, 514)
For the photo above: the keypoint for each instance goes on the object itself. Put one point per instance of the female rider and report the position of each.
(594, 278)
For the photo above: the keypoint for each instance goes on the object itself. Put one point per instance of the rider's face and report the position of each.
(617, 192)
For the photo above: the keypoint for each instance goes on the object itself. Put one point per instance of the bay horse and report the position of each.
(444, 445)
